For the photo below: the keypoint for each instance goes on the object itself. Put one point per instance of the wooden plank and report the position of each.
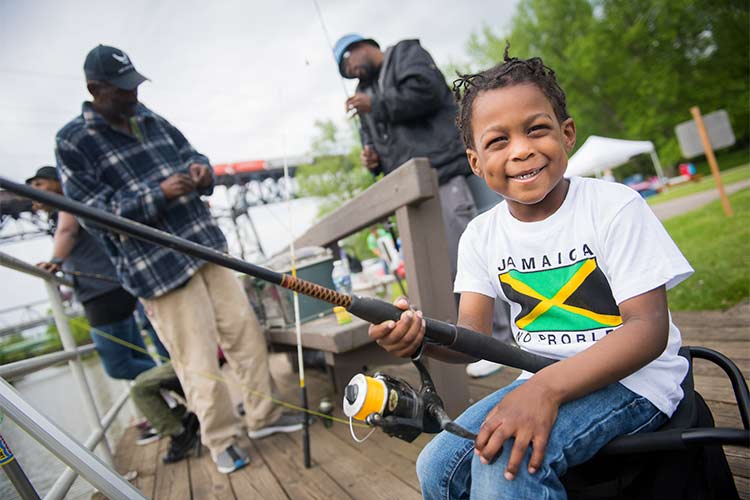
(709, 320)
(283, 453)
(701, 367)
(125, 452)
(739, 460)
(140, 459)
(325, 334)
(256, 480)
(397, 456)
(743, 487)
(172, 480)
(715, 389)
(408, 184)
(725, 414)
(206, 482)
(356, 473)
(697, 335)
(734, 350)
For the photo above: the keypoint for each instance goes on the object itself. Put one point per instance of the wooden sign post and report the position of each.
(696, 112)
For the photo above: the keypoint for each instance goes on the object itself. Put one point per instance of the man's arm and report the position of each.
(81, 182)
(369, 157)
(190, 157)
(63, 242)
(65, 236)
(418, 92)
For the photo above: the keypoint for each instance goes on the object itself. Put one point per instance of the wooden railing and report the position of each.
(411, 192)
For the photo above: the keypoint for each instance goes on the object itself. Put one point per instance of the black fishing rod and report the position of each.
(371, 310)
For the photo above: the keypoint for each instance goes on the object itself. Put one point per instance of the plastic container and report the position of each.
(342, 315)
(342, 280)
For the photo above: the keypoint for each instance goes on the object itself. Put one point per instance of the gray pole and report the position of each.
(15, 473)
(64, 447)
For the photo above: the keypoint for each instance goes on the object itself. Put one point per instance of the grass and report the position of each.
(718, 248)
(706, 183)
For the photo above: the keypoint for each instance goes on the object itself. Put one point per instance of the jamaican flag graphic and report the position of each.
(571, 298)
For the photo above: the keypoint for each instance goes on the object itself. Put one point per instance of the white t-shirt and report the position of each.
(565, 276)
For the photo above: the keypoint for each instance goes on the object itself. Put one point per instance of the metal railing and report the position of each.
(79, 457)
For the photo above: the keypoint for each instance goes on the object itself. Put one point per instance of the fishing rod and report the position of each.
(369, 309)
(93, 276)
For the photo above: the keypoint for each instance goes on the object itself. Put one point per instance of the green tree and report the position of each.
(336, 176)
(633, 68)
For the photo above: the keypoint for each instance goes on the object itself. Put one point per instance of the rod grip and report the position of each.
(486, 347)
(454, 337)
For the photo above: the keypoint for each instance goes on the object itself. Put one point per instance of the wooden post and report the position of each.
(696, 112)
(428, 274)
(411, 191)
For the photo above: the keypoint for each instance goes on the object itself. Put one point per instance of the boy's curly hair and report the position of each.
(512, 71)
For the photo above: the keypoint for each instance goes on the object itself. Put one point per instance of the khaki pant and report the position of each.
(213, 308)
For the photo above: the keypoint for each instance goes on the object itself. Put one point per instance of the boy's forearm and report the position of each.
(618, 355)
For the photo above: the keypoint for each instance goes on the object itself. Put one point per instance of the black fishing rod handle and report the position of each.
(454, 337)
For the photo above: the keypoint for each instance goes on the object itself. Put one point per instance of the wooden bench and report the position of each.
(348, 350)
(411, 193)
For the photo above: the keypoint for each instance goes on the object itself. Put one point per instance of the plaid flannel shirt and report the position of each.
(120, 173)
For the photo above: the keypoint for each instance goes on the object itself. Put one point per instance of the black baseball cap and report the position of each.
(112, 65)
(45, 172)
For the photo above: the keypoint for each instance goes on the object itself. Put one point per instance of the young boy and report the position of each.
(584, 266)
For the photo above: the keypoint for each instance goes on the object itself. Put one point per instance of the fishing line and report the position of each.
(330, 45)
(354, 436)
(82, 323)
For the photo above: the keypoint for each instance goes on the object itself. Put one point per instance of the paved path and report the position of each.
(690, 202)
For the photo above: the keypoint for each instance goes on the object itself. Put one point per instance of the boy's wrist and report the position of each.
(553, 387)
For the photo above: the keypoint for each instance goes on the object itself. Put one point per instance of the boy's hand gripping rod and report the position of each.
(372, 310)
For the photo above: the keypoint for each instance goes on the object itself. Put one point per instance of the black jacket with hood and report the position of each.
(413, 114)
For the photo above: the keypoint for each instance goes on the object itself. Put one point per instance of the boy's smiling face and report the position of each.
(521, 149)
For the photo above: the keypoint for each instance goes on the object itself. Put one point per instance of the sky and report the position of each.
(241, 79)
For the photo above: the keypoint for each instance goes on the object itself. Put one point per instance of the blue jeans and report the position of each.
(121, 361)
(449, 469)
(146, 325)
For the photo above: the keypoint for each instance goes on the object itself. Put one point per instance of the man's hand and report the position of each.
(177, 185)
(200, 174)
(50, 267)
(369, 157)
(527, 413)
(401, 338)
(359, 101)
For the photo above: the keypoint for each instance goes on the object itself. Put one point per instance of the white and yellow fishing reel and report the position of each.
(395, 406)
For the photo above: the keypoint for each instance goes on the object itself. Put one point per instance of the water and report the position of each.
(54, 393)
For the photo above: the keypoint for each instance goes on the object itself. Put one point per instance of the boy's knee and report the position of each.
(425, 468)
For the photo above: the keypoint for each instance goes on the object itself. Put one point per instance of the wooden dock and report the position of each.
(384, 467)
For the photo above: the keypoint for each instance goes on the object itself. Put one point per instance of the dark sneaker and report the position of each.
(287, 422)
(232, 459)
(182, 445)
(147, 436)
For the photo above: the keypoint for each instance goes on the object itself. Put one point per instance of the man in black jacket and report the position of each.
(406, 111)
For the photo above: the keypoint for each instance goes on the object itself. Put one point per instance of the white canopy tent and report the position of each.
(601, 153)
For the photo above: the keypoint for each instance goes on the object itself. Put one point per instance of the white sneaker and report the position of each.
(482, 368)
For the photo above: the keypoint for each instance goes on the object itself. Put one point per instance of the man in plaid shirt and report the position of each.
(121, 157)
